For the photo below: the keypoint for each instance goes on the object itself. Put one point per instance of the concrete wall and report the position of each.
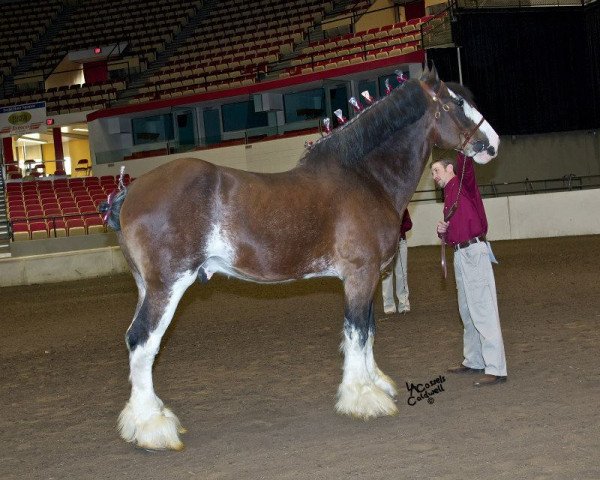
(536, 157)
(521, 216)
(268, 157)
(61, 267)
(527, 216)
(544, 156)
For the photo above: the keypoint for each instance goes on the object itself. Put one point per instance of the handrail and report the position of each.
(527, 187)
(476, 4)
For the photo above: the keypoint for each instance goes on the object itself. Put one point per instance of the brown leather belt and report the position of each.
(471, 241)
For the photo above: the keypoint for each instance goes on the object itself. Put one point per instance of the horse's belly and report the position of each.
(224, 255)
(219, 265)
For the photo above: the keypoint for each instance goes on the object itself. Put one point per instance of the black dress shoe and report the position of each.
(462, 369)
(488, 380)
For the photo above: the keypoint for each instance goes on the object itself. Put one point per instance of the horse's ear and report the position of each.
(433, 73)
(425, 74)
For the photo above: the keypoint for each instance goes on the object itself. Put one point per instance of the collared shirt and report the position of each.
(406, 224)
(469, 220)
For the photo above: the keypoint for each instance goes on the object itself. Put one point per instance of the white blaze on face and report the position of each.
(493, 138)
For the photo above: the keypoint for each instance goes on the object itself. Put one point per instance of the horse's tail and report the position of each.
(111, 209)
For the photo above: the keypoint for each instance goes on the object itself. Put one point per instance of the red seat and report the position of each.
(67, 203)
(35, 212)
(20, 231)
(17, 213)
(53, 212)
(38, 229)
(91, 181)
(75, 226)
(94, 224)
(88, 208)
(70, 210)
(58, 227)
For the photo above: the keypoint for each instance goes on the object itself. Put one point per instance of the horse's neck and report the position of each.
(399, 169)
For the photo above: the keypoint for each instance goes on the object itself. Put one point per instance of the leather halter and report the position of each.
(468, 134)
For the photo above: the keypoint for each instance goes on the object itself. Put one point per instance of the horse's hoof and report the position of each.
(160, 431)
(365, 401)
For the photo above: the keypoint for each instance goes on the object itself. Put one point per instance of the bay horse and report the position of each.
(337, 213)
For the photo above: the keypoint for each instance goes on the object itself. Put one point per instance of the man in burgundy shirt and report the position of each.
(399, 270)
(465, 230)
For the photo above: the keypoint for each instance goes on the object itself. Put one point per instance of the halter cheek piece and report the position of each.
(467, 134)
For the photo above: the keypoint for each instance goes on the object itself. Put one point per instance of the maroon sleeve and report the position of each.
(469, 183)
(406, 223)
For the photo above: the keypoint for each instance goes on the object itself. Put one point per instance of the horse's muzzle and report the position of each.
(479, 146)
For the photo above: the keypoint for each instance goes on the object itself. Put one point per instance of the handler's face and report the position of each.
(441, 175)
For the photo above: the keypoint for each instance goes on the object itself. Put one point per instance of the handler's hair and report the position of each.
(445, 162)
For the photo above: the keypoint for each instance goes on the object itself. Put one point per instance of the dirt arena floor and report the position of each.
(252, 372)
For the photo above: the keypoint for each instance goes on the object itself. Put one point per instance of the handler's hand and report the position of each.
(442, 227)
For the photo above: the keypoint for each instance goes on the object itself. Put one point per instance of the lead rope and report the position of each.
(447, 218)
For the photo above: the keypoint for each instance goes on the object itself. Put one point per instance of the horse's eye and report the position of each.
(459, 101)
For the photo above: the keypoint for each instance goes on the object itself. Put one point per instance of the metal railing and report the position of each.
(437, 31)
(566, 183)
(470, 4)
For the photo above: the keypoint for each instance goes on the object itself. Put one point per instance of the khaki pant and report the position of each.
(478, 306)
(399, 271)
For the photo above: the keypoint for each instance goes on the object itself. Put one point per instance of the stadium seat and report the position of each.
(38, 229)
(20, 231)
(75, 226)
(94, 224)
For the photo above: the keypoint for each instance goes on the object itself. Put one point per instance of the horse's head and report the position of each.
(458, 124)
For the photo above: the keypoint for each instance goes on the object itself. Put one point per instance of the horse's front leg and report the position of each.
(145, 421)
(365, 391)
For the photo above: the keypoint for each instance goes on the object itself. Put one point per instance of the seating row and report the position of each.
(154, 24)
(351, 59)
(364, 48)
(66, 226)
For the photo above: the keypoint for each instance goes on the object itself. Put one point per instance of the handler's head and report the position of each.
(442, 171)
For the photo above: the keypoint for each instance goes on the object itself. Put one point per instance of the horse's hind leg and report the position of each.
(145, 421)
(365, 392)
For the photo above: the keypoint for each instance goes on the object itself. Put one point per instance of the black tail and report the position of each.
(113, 207)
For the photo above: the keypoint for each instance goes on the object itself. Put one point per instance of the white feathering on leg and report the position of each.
(358, 395)
(145, 421)
(379, 378)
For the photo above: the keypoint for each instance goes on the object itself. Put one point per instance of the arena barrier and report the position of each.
(510, 218)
